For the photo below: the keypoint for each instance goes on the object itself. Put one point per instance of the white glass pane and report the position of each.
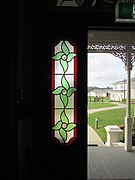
(59, 70)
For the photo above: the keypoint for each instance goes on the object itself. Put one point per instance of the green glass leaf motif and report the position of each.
(70, 56)
(64, 56)
(63, 134)
(58, 90)
(64, 65)
(64, 48)
(64, 99)
(64, 118)
(65, 83)
(57, 126)
(64, 91)
(71, 91)
(63, 126)
(70, 127)
(58, 56)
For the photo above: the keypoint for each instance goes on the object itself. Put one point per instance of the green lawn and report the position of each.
(99, 105)
(109, 117)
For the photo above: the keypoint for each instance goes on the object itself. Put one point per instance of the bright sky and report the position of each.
(104, 69)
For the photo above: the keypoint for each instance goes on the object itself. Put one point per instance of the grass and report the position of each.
(108, 117)
(100, 105)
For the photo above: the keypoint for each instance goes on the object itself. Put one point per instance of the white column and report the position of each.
(128, 119)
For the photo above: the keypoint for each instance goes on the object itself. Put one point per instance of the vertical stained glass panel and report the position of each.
(64, 91)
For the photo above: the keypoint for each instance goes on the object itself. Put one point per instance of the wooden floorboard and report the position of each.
(110, 163)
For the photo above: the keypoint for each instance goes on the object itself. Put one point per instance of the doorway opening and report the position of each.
(110, 85)
(104, 71)
(106, 83)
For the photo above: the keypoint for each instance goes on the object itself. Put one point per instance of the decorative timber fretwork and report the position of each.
(132, 57)
(121, 55)
(118, 50)
(107, 47)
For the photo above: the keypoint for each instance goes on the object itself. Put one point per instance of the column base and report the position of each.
(128, 134)
(128, 148)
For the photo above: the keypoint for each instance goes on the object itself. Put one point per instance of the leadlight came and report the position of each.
(64, 91)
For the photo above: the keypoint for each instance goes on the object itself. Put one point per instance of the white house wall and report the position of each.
(99, 94)
(117, 96)
(117, 92)
(133, 90)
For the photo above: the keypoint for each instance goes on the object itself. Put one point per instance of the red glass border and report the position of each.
(75, 85)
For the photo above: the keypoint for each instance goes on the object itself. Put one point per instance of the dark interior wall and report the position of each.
(25, 163)
(24, 83)
(4, 99)
(9, 90)
(25, 58)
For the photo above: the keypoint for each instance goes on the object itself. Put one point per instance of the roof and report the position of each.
(122, 81)
(100, 89)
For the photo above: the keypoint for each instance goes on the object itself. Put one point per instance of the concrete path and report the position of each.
(108, 108)
(92, 137)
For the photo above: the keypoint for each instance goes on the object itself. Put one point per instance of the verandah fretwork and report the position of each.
(107, 47)
(121, 55)
(132, 57)
(117, 50)
(63, 125)
(132, 54)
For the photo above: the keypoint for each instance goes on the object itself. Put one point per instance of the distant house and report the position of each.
(100, 92)
(133, 88)
(119, 91)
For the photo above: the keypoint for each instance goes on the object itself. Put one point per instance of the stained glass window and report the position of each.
(70, 3)
(64, 91)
